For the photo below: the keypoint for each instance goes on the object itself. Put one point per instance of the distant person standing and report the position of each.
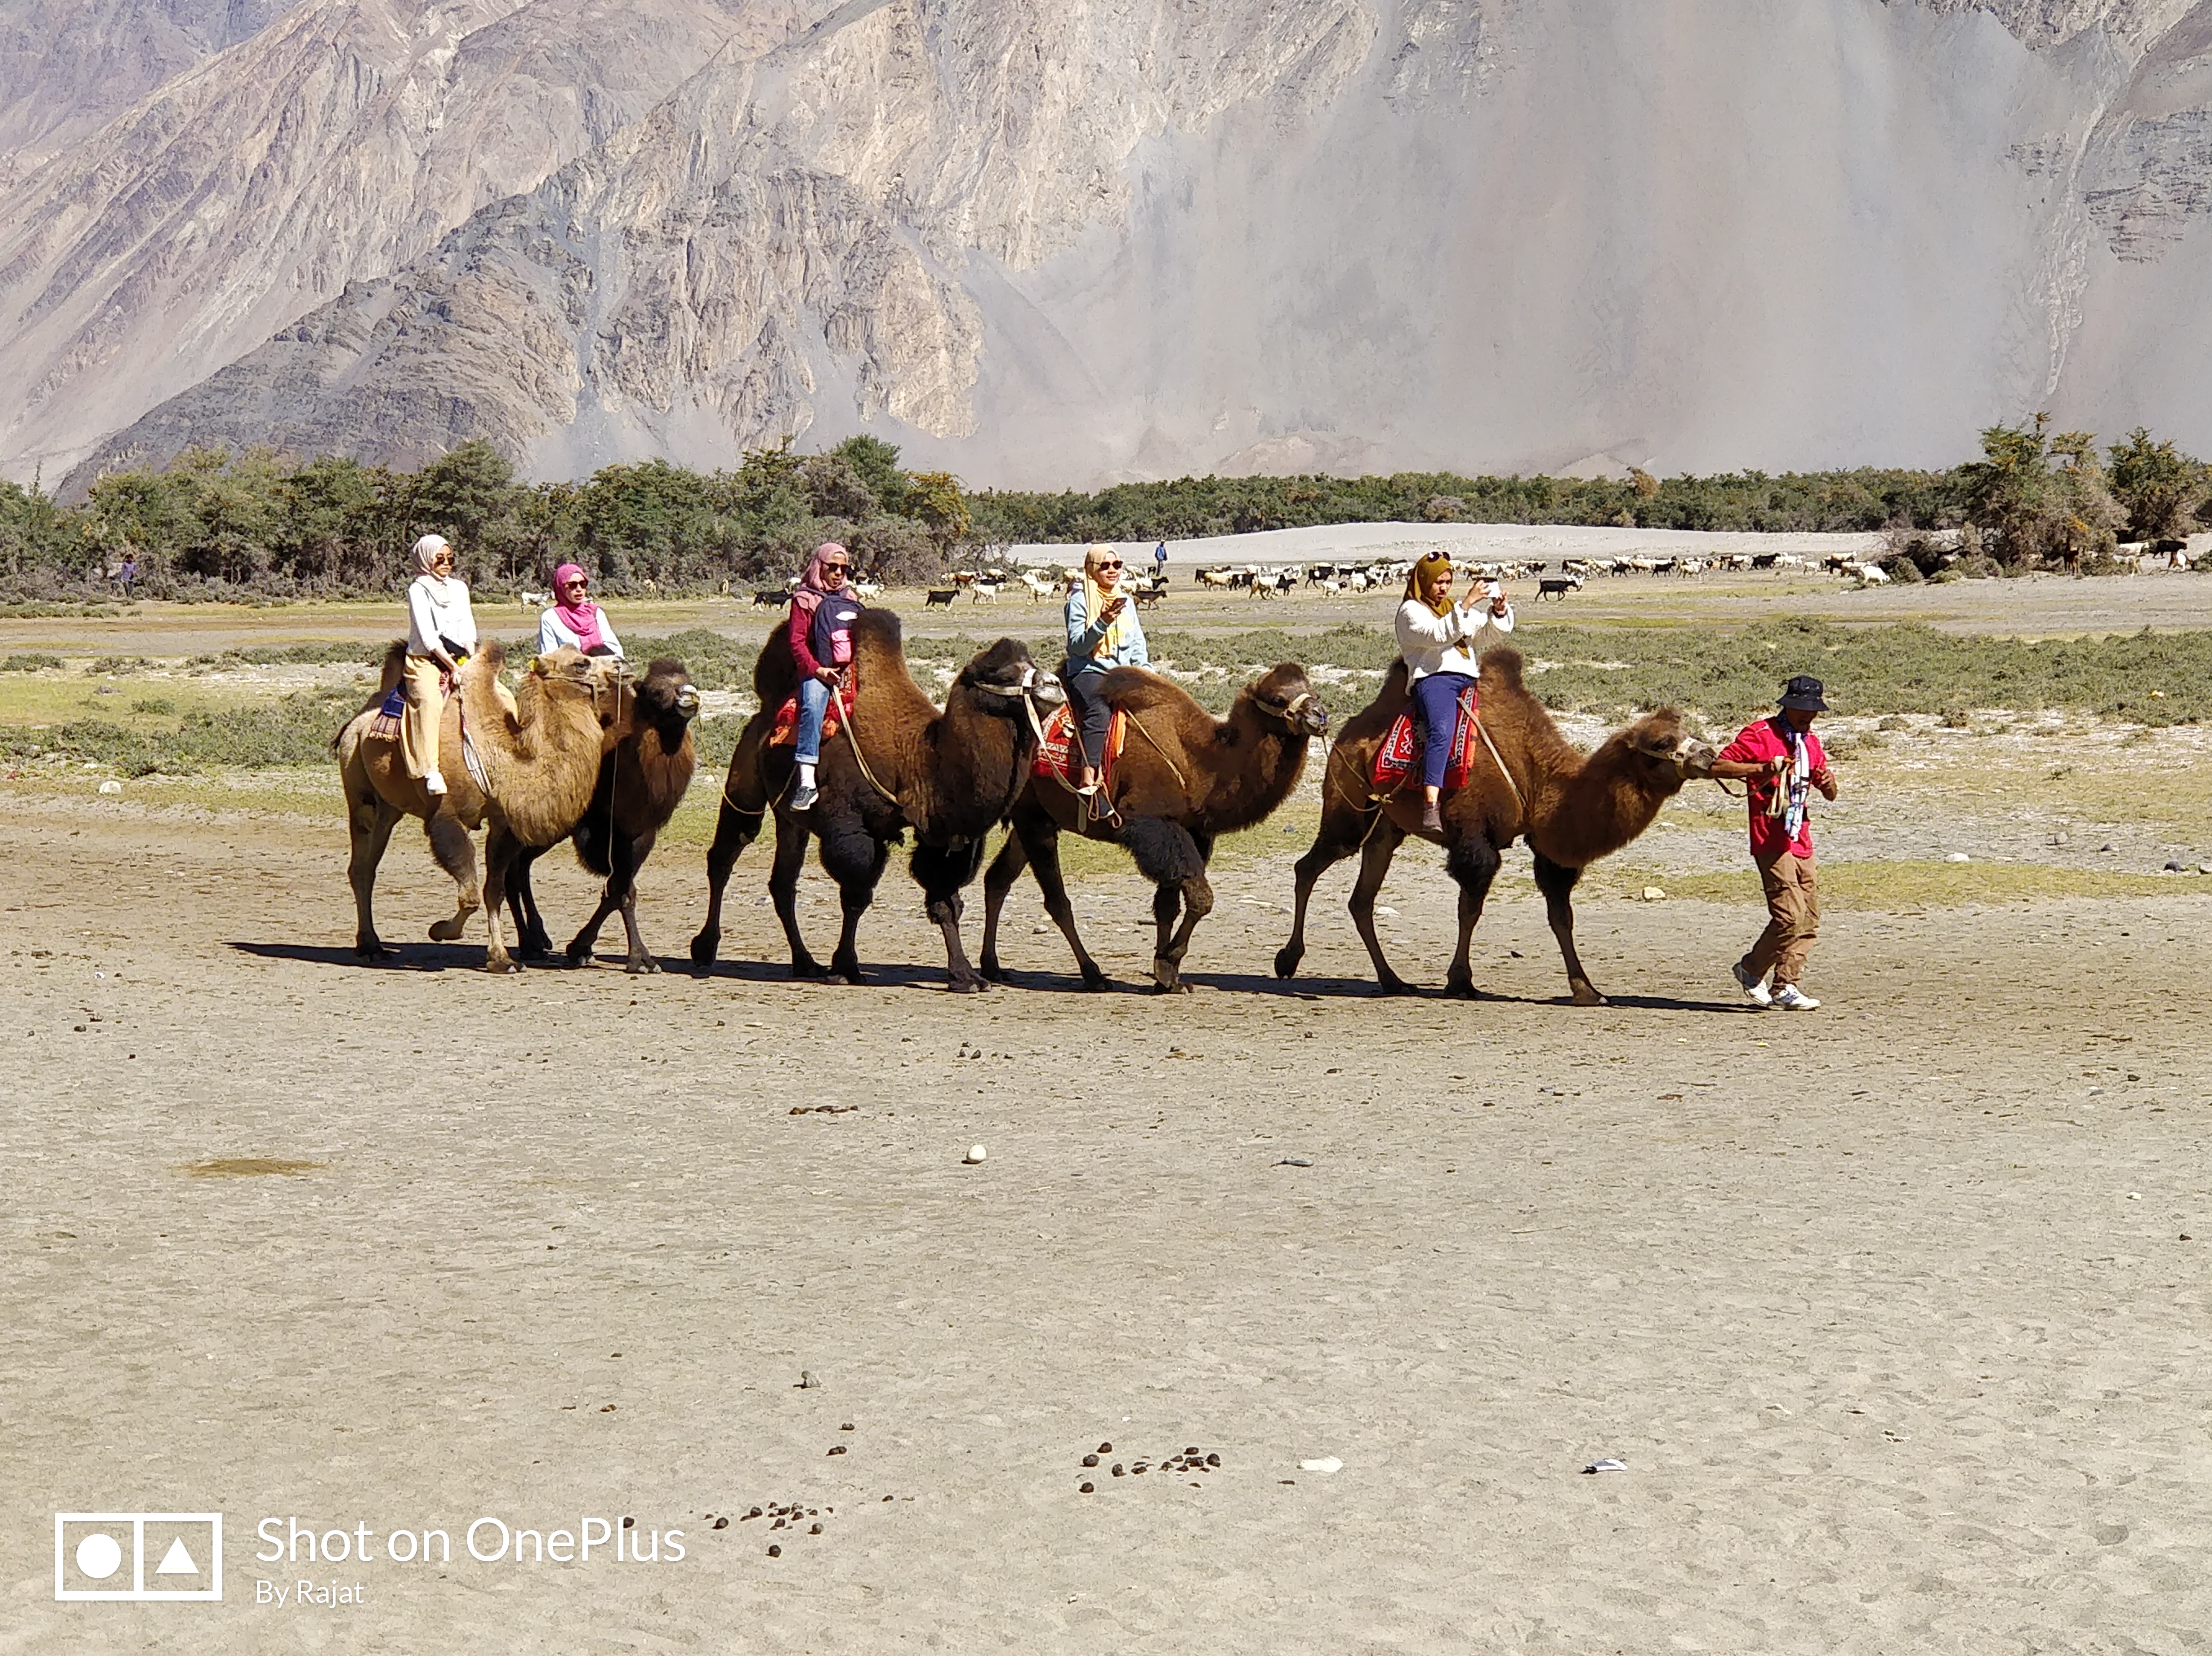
(126, 575)
(1160, 564)
(1781, 762)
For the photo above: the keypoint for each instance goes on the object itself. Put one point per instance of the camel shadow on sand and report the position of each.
(405, 957)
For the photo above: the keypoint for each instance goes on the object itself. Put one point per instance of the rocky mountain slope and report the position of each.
(1067, 239)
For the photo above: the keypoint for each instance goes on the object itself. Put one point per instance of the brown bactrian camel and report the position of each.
(1571, 809)
(1183, 779)
(948, 775)
(642, 782)
(540, 760)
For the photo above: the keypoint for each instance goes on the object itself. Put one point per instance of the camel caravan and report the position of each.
(847, 751)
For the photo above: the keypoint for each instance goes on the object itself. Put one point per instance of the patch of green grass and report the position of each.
(159, 706)
(286, 655)
(295, 729)
(1890, 888)
(36, 662)
(115, 667)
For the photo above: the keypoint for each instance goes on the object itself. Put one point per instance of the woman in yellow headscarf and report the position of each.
(1440, 640)
(1102, 632)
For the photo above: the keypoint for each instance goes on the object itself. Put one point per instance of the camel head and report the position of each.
(1665, 738)
(1283, 695)
(1008, 680)
(665, 698)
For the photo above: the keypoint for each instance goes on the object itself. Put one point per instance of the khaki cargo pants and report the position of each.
(426, 711)
(1793, 911)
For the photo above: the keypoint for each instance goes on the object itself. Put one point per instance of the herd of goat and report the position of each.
(986, 585)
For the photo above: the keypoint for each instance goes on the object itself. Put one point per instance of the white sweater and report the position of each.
(553, 633)
(439, 609)
(1449, 643)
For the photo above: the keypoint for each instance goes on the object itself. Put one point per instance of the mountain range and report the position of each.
(1064, 241)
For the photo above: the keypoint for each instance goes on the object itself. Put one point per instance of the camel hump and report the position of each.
(1140, 688)
(490, 656)
(882, 628)
(394, 668)
(1503, 666)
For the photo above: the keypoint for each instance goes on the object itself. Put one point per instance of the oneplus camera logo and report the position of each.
(138, 1556)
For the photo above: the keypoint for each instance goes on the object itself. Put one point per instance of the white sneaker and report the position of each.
(804, 797)
(1789, 998)
(1754, 989)
(433, 783)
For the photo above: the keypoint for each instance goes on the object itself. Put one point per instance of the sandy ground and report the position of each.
(1888, 1309)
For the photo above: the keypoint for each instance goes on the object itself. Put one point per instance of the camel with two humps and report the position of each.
(900, 762)
(1571, 808)
(642, 782)
(540, 754)
(1183, 779)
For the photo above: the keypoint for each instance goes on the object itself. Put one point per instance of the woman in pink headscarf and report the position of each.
(575, 622)
(823, 608)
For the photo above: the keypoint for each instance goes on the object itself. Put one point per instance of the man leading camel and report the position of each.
(1781, 761)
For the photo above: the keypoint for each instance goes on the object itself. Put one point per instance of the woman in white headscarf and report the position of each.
(441, 634)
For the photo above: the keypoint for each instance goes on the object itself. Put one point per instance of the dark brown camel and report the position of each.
(1183, 780)
(642, 782)
(949, 776)
(1571, 809)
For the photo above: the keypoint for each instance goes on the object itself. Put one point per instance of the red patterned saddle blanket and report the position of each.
(785, 732)
(1399, 760)
(1059, 755)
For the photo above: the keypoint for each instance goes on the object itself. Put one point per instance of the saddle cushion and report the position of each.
(785, 732)
(1059, 755)
(1398, 761)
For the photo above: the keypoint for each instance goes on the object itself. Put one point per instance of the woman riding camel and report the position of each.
(823, 609)
(441, 632)
(1102, 632)
(1439, 640)
(573, 621)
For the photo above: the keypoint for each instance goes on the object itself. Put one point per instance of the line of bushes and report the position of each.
(256, 526)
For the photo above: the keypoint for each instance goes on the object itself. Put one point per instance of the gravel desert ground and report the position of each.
(1895, 1314)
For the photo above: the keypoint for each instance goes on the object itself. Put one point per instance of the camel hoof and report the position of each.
(644, 966)
(1587, 996)
(1394, 986)
(1287, 962)
(374, 949)
(967, 986)
(509, 968)
(993, 972)
(446, 931)
(1465, 991)
(704, 947)
(1096, 982)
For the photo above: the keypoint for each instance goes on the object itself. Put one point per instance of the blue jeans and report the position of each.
(813, 703)
(1436, 704)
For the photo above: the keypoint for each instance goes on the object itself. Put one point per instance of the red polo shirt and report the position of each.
(1753, 745)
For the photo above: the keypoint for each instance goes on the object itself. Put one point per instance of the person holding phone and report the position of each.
(1102, 632)
(824, 606)
(1439, 639)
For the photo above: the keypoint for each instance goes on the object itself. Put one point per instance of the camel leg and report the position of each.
(1336, 841)
(1005, 868)
(856, 865)
(1557, 882)
(624, 855)
(791, 841)
(942, 874)
(1195, 894)
(369, 824)
(1473, 862)
(500, 849)
(734, 830)
(1374, 866)
(1040, 838)
(530, 939)
(456, 852)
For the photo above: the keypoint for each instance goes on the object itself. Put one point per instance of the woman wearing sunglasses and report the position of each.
(574, 622)
(823, 608)
(1102, 632)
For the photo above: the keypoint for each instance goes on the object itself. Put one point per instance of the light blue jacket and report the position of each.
(1083, 638)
